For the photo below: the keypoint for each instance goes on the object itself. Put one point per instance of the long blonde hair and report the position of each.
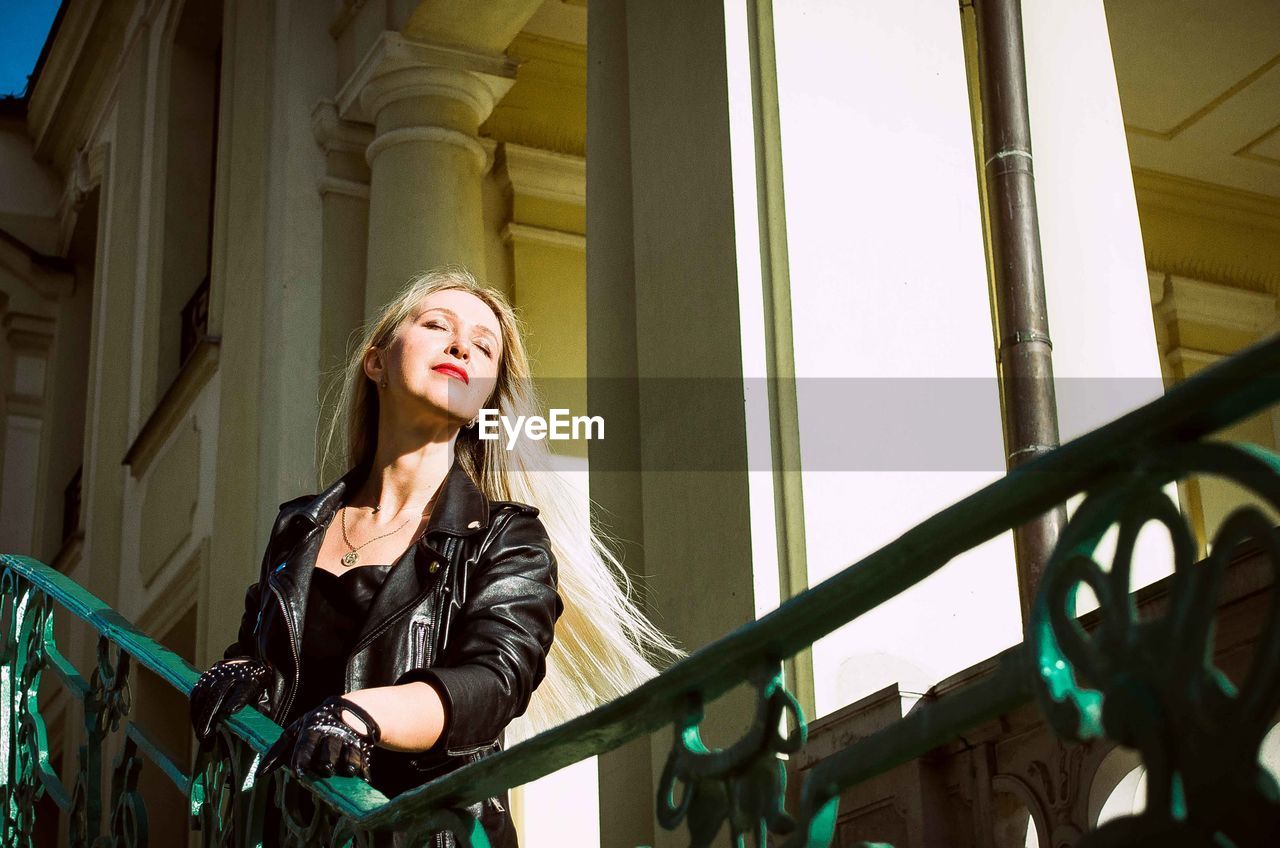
(604, 644)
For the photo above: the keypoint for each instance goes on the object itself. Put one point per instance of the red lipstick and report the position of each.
(448, 368)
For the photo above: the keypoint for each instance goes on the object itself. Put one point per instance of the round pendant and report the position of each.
(350, 558)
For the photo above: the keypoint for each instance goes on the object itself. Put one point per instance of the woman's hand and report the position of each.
(227, 686)
(337, 737)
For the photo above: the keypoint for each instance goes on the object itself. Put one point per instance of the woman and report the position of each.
(443, 593)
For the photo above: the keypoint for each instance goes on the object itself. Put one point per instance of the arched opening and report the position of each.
(1119, 787)
(1017, 820)
(1269, 753)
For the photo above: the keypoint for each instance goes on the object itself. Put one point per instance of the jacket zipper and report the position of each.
(418, 639)
(386, 623)
(288, 620)
(450, 547)
(460, 752)
(293, 646)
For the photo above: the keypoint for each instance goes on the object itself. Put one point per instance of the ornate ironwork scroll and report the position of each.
(25, 625)
(744, 784)
(226, 803)
(128, 810)
(1152, 684)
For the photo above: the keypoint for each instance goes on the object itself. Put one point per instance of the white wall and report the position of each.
(898, 402)
(1105, 357)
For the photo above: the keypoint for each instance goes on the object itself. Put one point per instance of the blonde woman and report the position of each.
(443, 593)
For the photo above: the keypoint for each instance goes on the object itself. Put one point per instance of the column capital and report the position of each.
(396, 68)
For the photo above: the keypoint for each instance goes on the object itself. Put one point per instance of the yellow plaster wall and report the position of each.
(547, 107)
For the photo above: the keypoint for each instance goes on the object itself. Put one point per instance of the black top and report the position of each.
(337, 607)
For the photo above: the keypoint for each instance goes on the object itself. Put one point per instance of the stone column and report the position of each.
(426, 104)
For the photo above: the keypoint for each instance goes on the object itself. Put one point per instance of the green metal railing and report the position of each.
(1149, 685)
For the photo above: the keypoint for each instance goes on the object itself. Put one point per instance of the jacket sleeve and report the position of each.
(500, 639)
(244, 646)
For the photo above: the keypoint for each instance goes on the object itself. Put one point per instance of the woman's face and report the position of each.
(444, 357)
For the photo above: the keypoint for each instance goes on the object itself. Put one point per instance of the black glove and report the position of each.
(227, 686)
(321, 743)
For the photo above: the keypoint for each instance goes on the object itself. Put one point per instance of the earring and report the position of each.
(384, 382)
(472, 422)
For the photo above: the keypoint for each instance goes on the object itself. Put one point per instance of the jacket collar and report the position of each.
(461, 510)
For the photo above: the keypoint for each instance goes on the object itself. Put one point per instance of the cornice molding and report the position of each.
(80, 76)
(543, 236)
(543, 174)
(60, 65)
(1206, 200)
(1216, 305)
(529, 46)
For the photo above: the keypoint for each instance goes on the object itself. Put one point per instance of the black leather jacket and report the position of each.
(470, 609)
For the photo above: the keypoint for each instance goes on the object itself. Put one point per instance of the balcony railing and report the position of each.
(1145, 684)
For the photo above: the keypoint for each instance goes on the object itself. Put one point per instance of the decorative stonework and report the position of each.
(335, 135)
(397, 68)
(557, 177)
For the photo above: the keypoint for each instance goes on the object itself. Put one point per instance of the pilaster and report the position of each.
(1197, 324)
(27, 340)
(344, 210)
(666, 359)
(546, 237)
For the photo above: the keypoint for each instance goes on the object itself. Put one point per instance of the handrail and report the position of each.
(349, 796)
(1119, 464)
(1215, 398)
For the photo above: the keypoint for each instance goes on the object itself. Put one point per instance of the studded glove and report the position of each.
(227, 686)
(321, 743)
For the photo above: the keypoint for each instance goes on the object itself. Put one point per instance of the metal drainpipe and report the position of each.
(1025, 352)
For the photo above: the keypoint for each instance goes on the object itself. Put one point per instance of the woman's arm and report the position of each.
(410, 715)
(496, 656)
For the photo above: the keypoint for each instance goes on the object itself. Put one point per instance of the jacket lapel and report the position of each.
(461, 509)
